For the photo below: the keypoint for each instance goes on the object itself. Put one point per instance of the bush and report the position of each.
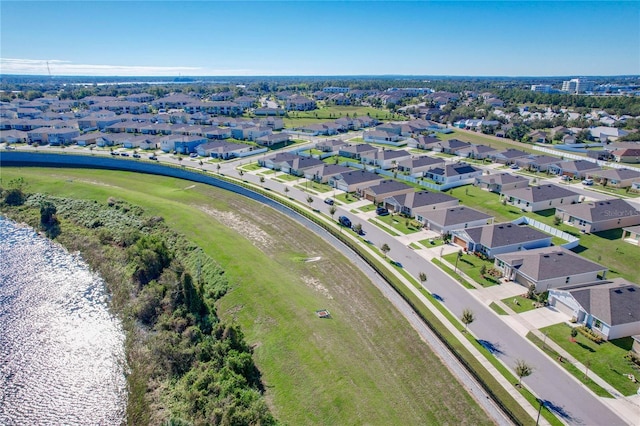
(589, 334)
(633, 357)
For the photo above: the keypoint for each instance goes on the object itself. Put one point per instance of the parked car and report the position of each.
(136, 155)
(193, 155)
(587, 182)
(124, 154)
(344, 221)
(565, 178)
(329, 201)
(114, 153)
(514, 167)
(381, 211)
(153, 157)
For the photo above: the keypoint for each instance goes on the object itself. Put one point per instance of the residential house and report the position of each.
(498, 238)
(354, 181)
(607, 134)
(477, 152)
(300, 103)
(537, 163)
(609, 308)
(142, 142)
(548, 267)
(356, 151)
(385, 159)
(299, 166)
(425, 142)
(501, 182)
(601, 215)
(450, 146)
(51, 136)
(541, 197)
(617, 178)
(386, 189)
(569, 139)
(13, 136)
(269, 112)
(417, 166)
(330, 145)
(328, 171)
(458, 173)
(631, 235)
(576, 169)
(275, 161)
(181, 143)
(509, 156)
(173, 101)
(445, 220)
(417, 203)
(217, 133)
(538, 136)
(273, 139)
(627, 155)
(380, 136)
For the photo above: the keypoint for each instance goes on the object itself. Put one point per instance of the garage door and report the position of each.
(562, 307)
(459, 241)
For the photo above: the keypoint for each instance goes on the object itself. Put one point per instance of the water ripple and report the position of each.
(61, 351)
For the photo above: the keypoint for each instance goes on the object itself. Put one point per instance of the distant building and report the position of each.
(542, 88)
(577, 85)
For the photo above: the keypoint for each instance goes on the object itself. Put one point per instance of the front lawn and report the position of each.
(346, 198)
(432, 242)
(288, 178)
(404, 225)
(519, 304)
(605, 359)
(367, 208)
(485, 201)
(250, 167)
(470, 264)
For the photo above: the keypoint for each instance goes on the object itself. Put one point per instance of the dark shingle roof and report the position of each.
(549, 262)
(454, 215)
(602, 210)
(422, 198)
(504, 234)
(616, 302)
(389, 185)
(359, 177)
(534, 194)
(502, 178)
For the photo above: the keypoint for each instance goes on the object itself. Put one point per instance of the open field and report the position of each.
(364, 365)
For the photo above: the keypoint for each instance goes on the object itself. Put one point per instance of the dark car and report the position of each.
(344, 221)
(124, 154)
(329, 201)
(381, 211)
(153, 157)
(114, 153)
(136, 155)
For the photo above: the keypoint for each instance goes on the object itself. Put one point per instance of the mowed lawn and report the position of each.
(365, 365)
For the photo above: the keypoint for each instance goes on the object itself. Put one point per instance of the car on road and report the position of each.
(514, 167)
(329, 201)
(9, 148)
(136, 155)
(345, 221)
(114, 153)
(153, 157)
(587, 182)
(193, 155)
(124, 154)
(381, 211)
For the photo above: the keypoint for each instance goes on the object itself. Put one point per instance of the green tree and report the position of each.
(423, 277)
(522, 369)
(467, 317)
(385, 249)
(332, 211)
(309, 200)
(458, 257)
(48, 212)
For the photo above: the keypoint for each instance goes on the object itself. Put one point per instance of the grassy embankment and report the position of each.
(366, 364)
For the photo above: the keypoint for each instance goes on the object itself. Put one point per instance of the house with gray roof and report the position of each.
(354, 181)
(600, 215)
(450, 146)
(385, 189)
(548, 267)
(492, 240)
(273, 139)
(537, 163)
(501, 182)
(328, 171)
(617, 178)
(298, 166)
(577, 169)
(416, 203)
(610, 308)
(445, 220)
(478, 152)
(386, 158)
(541, 197)
(330, 145)
(424, 142)
(223, 149)
(275, 161)
(356, 151)
(381, 136)
(508, 156)
(453, 174)
(417, 166)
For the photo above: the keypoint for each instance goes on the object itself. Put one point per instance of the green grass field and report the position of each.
(364, 365)
(470, 265)
(519, 304)
(605, 359)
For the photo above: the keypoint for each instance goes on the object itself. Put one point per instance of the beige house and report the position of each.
(600, 215)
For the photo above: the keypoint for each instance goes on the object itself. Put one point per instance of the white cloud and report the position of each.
(60, 67)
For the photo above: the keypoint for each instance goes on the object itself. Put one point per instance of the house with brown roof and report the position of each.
(609, 308)
(627, 155)
(601, 215)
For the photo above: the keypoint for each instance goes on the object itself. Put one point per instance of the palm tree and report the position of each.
(467, 317)
(261, 180)
(522, 370)
(385, 249)
(309, 200)
(458, 258)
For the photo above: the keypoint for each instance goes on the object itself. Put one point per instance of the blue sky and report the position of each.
(505, 38)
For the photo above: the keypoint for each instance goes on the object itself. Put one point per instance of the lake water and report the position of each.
(61, 351)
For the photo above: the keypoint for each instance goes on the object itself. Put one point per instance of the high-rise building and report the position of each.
(543, 88)
(577, 85)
